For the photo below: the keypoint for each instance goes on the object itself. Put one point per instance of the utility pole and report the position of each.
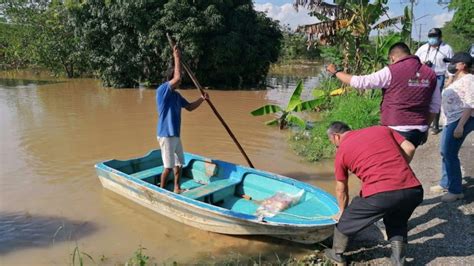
(419, 34)
(411, 24)
(412, 5)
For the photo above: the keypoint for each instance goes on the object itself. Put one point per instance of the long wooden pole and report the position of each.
(199, 87)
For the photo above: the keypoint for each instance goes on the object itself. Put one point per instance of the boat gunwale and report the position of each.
(226, 212)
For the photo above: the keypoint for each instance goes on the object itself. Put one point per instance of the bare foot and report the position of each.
(179, 191)
(163, 185)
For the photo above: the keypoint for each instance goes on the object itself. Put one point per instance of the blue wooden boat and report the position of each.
(222, 197)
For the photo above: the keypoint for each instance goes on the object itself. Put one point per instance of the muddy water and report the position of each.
(51, 200)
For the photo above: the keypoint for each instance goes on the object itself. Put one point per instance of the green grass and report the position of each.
(139, 258)
(355, 109)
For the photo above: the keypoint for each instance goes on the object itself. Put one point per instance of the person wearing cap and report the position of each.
(410, 100)
(432, 54)
(458, 108)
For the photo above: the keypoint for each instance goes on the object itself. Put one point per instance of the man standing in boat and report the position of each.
(390, 190)
(169, 103)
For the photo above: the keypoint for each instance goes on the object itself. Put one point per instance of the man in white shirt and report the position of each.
(432, 54)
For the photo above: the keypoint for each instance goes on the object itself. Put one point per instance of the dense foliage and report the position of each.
(227, 43)
(295, 47)
(346, 27)
(459, 32)
(40, 33)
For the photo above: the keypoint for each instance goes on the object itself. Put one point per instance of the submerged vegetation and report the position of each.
(286, 114)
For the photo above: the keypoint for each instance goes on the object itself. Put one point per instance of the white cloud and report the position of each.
(286, 14)
(440, 19)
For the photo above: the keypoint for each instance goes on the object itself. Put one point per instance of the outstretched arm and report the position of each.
(192, 106)
(177, 68)
(342, 76)
(377, 80)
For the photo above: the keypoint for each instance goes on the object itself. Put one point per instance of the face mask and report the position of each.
(452, 68)
(433, 40)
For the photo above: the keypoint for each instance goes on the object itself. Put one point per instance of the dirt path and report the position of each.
(440, 233)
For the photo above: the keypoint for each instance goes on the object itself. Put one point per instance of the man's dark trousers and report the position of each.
(415, 136)
(395, 207)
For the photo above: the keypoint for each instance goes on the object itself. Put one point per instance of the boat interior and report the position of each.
(225, 185)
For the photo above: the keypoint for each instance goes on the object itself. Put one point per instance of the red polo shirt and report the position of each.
(374, 155)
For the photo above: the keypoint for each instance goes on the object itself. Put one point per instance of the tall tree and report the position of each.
(45, 36)
(459, 32)
(228, 43)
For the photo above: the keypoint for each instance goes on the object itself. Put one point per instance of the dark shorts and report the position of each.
(395, 207)
(416, 137)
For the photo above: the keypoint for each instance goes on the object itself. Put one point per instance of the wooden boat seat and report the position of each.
(199, 170)
(185, 182)
(148, 172)
(210, 188)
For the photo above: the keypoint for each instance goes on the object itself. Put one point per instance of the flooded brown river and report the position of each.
(51, 200)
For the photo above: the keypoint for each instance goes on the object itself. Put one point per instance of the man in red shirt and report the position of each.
(378, 156)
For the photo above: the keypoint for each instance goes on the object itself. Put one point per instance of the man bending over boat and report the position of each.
(378, 156)
(169, 103)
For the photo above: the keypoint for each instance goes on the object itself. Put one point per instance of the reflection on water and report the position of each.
(22, 230)
(53, 134)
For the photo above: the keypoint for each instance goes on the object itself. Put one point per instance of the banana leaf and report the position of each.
(267, 109)
(308, 105)
(273, 122)
(296, 97)
(295, 120)
(387, 42)
(317, 93)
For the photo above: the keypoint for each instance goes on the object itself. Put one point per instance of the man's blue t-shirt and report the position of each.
(169, 104)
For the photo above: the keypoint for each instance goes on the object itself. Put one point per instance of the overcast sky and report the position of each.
(428, 13)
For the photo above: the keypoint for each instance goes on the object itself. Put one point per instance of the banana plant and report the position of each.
(287, 115)
(376, 56)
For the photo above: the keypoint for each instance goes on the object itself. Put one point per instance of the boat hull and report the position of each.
(182, 210)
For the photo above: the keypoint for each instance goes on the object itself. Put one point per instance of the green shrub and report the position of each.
(358, 111)
(139, 258)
